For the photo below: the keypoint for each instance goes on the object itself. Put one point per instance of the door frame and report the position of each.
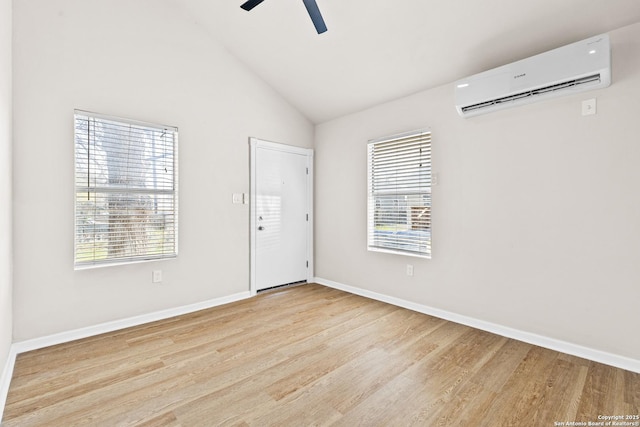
(255, 144)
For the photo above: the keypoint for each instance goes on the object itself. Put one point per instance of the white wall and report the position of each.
(536, 218)
(5, 183)
(145, 60)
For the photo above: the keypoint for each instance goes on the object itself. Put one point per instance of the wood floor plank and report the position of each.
(447, 376)
(310, 355)
(632, 392)
(520, 397)
(165, 420)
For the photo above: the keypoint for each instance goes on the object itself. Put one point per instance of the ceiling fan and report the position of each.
(312, 8)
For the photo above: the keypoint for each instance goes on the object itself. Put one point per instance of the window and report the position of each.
(126, 198)
(399, 200)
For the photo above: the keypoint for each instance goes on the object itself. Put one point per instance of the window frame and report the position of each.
(170, 194)
(416, 192)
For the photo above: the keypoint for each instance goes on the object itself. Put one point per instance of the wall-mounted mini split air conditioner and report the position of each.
(577, 67)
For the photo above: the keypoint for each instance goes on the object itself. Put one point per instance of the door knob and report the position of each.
(261, 228)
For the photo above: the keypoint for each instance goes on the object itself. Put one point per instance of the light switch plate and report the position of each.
(589, 107)
(238, 198)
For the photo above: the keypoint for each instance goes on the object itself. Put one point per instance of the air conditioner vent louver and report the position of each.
(577, 67)
(534, 92)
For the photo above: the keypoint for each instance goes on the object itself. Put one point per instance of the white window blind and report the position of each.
(399, 199)
(126, 190)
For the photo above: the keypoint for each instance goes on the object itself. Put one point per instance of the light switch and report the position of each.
(589, 107)
(238, 198)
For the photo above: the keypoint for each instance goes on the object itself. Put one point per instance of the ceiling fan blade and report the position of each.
(251, 4)
(316, 16)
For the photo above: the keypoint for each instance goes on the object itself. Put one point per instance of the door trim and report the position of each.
(256, 143)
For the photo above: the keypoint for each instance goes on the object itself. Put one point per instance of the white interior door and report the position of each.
(281, 214)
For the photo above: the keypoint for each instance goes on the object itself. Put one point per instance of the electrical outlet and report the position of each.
(156, 277)
(409, 270)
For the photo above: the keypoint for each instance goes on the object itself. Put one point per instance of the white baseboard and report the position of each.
(62, 337)
(46, 341)
(615, 360)
(5, 379)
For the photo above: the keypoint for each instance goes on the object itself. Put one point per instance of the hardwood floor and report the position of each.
(311, 355)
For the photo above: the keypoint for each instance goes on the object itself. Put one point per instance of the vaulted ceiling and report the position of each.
(379, 50)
